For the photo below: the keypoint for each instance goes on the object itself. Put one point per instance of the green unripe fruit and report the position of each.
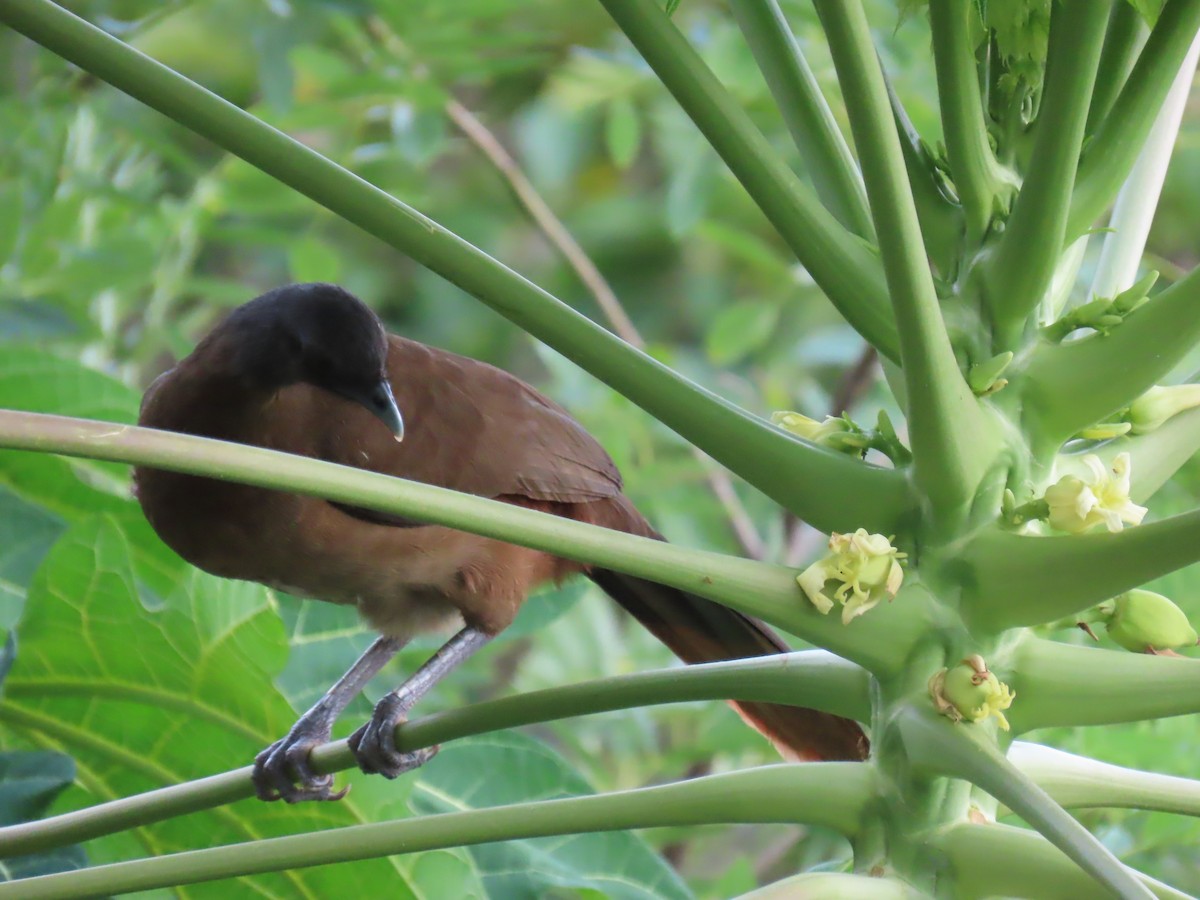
(1145, 621)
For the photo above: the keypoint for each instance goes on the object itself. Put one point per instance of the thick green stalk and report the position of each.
(1066, 686)
(830, 164)
(1001, 861)
(830, 794)
(757, 589)
(949, 433)
(941, 218)
(1117, 142)
(977, 175)
(1133, 213)
(1019, 273)
(1072, 385)
(1077, 782)
(1127, 32)
(840, 263)
(940, 747)
(814, 679)
(1027, 580)
(794, 474)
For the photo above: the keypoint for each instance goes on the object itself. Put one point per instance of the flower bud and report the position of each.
(860, 570)
(1157, 405)
(969, 691)
(835, 432)
(1104, 431)
(1146, 622)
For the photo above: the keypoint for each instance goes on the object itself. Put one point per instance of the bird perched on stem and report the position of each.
(309, 369)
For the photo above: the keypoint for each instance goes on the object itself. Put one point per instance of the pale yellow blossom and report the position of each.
(860, 571)
(1078, 504)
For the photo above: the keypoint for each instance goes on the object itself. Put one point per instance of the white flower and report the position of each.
(1078, 504)
(860, 570)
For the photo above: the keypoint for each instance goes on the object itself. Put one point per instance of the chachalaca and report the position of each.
(309, 369)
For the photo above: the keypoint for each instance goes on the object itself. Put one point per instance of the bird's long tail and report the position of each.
(698, 631)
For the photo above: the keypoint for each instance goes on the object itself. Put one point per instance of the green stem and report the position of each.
(1126, 34)
(840, 263)
(1077, 782)
(1026, 580)
(1115, 147)
(828, 160)
(949, 434)
(794, 474)
(1070, 386)
(1019, 273)
(814, 679)
(940, 747)
(1063, 685)
(997, 860)
(1133, 213)
(1153, 457)
(830, 794)
(941, 219)
(977, 175)
(757, 589)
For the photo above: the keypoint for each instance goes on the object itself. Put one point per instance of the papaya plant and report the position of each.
(1041, 411)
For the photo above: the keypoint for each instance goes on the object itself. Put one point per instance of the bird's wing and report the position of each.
(473, 428)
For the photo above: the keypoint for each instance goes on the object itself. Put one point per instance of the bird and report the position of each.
(310, 369)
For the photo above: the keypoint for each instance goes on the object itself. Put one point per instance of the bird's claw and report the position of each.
(374, 745)
(283, 770)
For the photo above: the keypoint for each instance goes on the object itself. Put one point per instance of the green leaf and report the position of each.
(310, 259)
(26, 532)
(739, 330)
(29, 782)
(622, 132)
(508, 768)
(143, 699)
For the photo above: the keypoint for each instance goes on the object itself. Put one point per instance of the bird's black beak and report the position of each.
(382, 404)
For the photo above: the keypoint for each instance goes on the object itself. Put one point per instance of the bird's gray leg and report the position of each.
(282, 771)
(374, 744)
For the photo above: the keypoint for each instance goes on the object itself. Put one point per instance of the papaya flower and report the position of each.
(1078, 504)
(969, 691)
(860, 570)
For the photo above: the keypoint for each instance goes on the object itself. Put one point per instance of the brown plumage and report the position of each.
(299, 370)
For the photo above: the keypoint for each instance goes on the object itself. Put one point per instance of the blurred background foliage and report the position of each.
(123, 238)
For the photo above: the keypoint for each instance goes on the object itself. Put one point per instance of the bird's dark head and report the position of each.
(319, 334)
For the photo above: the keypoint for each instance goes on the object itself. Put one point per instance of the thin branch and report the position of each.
(840, 262)
(950, 438)
(978, 177)
(1133, 213)
(1112, 151)
(938, 746)
(811, 677)
(1018, 275)
(757, 589)
(830, 794)
(825, 487)
(830, 164)
(561, 239)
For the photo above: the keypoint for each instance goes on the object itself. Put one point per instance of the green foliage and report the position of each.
(127, 237)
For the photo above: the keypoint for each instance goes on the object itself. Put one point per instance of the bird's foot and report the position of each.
(283, 771)
(374, 745)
